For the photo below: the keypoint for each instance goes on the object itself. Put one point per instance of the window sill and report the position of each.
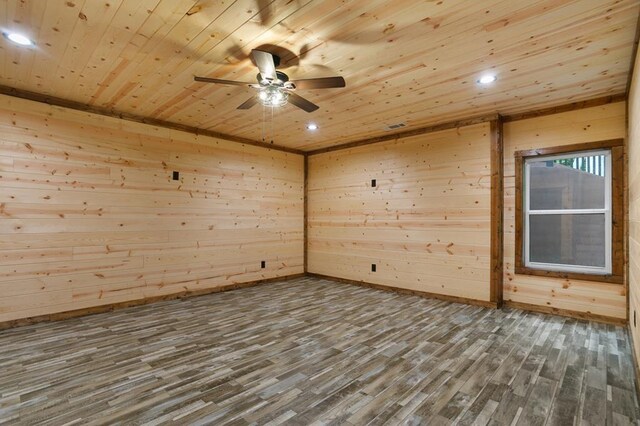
(611, 278)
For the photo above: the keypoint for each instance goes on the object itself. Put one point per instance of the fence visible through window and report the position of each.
(593, 164)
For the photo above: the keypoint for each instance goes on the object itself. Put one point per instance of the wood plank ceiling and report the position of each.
(404, 61)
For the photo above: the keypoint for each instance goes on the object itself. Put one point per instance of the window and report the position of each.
(569, 211)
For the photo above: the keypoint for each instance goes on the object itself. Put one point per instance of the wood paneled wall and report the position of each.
(90, 214)
(634, 208)
(556, 294)
(426, 223)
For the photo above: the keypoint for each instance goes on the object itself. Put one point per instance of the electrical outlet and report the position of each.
(263, 264)
(373, 183)
(176, 175)
(373, 267)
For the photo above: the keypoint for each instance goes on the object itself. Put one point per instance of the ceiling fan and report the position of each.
(274, 87)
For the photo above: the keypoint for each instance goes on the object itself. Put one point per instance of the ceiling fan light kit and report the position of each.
(272, 96)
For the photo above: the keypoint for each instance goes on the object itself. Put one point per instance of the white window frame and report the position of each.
(606, 270)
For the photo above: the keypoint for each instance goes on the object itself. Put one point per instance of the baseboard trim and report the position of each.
(446, 298)
(186, 294)
(138, 302)
(587, 316)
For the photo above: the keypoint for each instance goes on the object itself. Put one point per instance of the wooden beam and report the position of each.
(497, 211)
(130, 303)
(65, 103)
(407, 133)
(306, 210)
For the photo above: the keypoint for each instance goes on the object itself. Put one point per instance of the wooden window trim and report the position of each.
(617, 210)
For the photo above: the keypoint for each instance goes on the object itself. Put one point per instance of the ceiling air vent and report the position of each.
(395, 126)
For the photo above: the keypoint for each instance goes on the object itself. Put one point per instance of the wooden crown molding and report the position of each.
(65, 103)
(408, 133)
(620, 97)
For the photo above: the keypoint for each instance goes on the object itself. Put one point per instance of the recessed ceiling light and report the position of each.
(487, 79)
(20, 39)
(312, 126)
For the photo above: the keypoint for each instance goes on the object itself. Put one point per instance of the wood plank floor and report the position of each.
(311, 351)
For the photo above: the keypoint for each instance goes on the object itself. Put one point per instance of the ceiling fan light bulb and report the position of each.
(263, 95)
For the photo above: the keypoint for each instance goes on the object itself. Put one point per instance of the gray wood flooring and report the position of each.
(311, 351)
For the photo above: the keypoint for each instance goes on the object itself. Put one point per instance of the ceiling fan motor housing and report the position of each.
(281, 78)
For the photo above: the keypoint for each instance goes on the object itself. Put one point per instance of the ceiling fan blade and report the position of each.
(320, 83)
(249, 103)
(302, 103)
(265, 63)
(215, 80)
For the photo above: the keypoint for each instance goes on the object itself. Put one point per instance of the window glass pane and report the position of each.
(567, 239)
(568, 183)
